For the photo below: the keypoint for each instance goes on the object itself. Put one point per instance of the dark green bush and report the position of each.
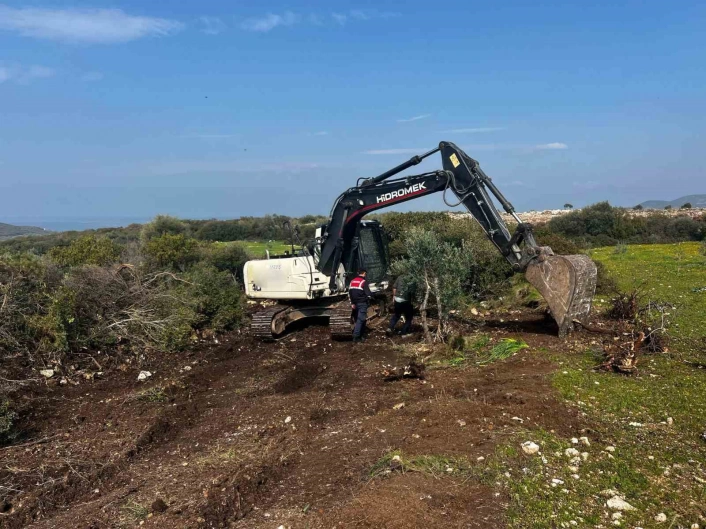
(86, 250)
(226, 257)
(169, 251)
(7, 420)
(215, 298)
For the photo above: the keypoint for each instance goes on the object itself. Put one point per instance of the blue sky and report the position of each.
(221, 109)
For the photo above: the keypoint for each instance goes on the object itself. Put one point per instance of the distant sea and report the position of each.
(75, 223)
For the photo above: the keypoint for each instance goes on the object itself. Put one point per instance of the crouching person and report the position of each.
(403, 292)
(360, 295)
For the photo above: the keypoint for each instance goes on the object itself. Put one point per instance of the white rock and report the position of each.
(584, 456)
(573, 469)
(661, 518)
(288, 420)
(530, 448)
(557, 481)
(474, 311)
(574, 441)
(398, 406)
(187, 368)
(670, 421)
(609, 493)
(518, 419)
(144, 375)
(610, 449)
(616, 516)
(461, 423)
(571, 452)
(575, 476)
(396, 458)
(636, 424)
(481, 458)
(47, 373)
(585, 441)
(618, 504)
(694, 526)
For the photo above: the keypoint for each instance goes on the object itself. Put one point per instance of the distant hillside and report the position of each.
(696, 201)
(8, 231)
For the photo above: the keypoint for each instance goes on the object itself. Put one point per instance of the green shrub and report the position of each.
(168, 251)
(215, 298)
(163, 225)
(7, 420)
(86, 250)
(227, 257)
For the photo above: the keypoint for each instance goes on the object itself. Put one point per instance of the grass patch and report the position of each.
(135, 511)
(675, 273)
(258, 249)
(431, 465)
(155, 394)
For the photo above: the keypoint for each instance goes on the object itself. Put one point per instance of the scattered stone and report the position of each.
(574, 441)
(530, 448)
(609, 493)
(47, 373)
(461, 423)
(635, 424)
(571, 452)
(518, 419)
(694, 526)
(616, 516)
(144, 375)
(585, 441)
(584, 456)
(670, 421)
(159, 505)
(288, 420)
(610, 449)
(480, 458)
(474, 311)
(661, 518)
(556, 481)
(616, 503)
(398, 406)
(573, 469)
(187, 368)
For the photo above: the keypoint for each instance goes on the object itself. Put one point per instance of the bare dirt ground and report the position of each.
(245, 434)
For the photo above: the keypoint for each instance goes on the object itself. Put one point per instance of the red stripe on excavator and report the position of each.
(383, 204)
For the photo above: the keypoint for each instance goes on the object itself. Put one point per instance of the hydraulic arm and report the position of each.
(566, 282)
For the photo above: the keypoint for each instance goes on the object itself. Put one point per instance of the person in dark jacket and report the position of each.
(360, 295)
(403, 292)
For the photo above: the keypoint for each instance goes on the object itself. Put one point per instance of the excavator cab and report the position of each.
(368, 250)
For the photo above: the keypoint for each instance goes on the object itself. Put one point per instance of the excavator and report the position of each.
(313, 282)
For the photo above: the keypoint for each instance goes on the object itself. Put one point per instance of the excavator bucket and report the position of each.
(568, 283)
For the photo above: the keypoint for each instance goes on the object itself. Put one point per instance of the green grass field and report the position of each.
(258, 248)
(666, 272)
(654, 419)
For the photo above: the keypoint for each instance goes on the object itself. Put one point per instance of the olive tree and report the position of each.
(437, 269)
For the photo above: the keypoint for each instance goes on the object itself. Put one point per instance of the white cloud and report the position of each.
(415, 118)
(4, 74)
(270, 21)
(394, 151)
(211, 25)
(91, 77)
(471, 130)
(551, 146)
(340, 18)
(25, 74)
(96, 26)
(211, 136)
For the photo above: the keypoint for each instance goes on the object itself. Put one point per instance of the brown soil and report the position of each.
(212, 446)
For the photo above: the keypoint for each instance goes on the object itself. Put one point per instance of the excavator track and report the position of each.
(261, 325)
(340, 322)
